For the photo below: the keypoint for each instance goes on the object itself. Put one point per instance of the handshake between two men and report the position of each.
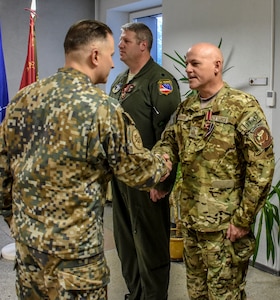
(156, 194)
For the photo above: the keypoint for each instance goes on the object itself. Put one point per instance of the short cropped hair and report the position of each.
(83, 32)
(143, 32)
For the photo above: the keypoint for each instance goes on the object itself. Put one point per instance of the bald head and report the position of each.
(207, 50)
(204, 66)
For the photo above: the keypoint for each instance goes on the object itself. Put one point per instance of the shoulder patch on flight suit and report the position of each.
(165, 86)
(262, 137)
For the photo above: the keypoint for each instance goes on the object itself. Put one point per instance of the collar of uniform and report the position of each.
(75, 73)
(145, 68)
(220, 97)
(193, 101)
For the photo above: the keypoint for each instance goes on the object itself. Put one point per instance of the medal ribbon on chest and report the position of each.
(209, 125)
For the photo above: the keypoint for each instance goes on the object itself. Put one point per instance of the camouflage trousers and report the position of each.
(40, 276)
(216, 268)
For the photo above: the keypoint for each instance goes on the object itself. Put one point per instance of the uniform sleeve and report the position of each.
(168, 142)
(131, 163)
(5, 179)
(165, 100)
(257, 145)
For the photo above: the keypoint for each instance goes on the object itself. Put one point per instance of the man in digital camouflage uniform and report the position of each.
(150, 95)
(60, 142)
(221, 137)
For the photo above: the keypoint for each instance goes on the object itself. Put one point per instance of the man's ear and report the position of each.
(143, 45)
(94, 56)
(218, 66)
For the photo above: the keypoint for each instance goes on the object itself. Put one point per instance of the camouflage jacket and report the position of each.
(60, 142)
(227, 160)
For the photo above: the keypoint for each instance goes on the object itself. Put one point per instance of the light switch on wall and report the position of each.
(270, 98)
(258, 80)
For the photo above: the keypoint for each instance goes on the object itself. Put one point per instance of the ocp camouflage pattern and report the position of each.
(227, 160)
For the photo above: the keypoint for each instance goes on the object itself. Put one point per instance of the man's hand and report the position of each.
(234, 233)
(168, 164)
(156, 195)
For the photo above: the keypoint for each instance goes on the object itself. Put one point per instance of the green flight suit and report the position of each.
(141, 227)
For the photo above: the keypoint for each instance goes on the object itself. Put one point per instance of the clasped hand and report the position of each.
(168, 164)
(234, 233)
(155, 194)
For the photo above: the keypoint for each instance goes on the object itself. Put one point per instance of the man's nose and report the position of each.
(188, 68)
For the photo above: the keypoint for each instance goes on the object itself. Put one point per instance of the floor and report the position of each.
(260, 285)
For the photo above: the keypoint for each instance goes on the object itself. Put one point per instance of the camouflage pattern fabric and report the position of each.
(60, 142)
(227, 160)
(226, 269)
(59, 279)
(227, 164)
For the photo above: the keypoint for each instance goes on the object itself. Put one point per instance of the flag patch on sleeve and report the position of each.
(165, 86)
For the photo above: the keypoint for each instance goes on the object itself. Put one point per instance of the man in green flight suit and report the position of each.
(150, 95)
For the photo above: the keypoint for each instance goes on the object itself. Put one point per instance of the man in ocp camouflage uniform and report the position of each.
(222, 140)
(60, 143)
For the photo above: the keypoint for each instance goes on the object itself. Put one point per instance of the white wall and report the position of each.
(276, 111)
(245, 31)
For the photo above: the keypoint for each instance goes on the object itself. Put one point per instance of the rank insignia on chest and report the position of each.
(117, 88)
(165, 86)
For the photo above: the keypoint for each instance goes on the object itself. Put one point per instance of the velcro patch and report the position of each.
(219, 119)
(183, 117)
(136, 144)
(262, 137)
(165, 86)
